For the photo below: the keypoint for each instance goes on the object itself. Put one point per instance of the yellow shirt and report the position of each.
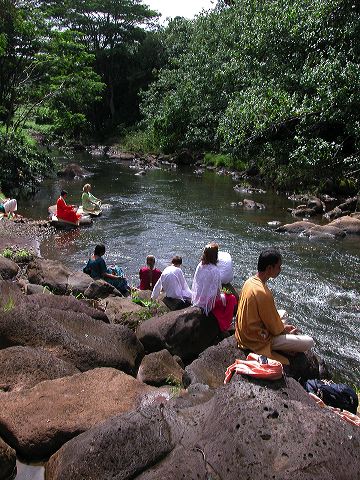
(258, 320)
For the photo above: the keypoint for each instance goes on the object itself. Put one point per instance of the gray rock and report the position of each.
(185, 333)
(296, 227)
(100, 289)
(7, 461)
(23, 367)
(160, 368)
(78, 282)
(38, 421)
(48, 273)
(33, 289)
(350, 225)
(8, 268)
(243, 430)
(121, 310)
(71, 336)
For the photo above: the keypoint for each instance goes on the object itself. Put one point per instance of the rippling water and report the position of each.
(175, 212)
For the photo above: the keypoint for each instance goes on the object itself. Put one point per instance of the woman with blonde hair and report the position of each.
(89, 202)
(206, 289)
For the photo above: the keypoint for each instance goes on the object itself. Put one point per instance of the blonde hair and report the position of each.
(86, 187)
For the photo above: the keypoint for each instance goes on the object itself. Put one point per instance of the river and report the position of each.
(167, 212)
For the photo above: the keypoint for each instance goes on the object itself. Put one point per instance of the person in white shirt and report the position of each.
(173, 283)
(225, 265)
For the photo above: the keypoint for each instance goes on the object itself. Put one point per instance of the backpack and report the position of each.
(336, 395)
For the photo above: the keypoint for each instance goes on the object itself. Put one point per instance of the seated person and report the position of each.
(206, 289)
(64, 211)
(8, 206)
(97, 269)
(259, 325)
(149, 275)
(172, 281)
(89, 202)
(225, 265)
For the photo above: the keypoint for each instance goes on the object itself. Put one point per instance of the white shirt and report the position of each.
(225, 266)
(173, 282)
(206, 286)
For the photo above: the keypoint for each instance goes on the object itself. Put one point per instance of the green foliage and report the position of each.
(275, 82)
(175, 385)
(18, 255)
(139, 141)
(9, 305)
(22, 164)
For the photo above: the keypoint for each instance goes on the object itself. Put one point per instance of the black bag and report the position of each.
(336, 395)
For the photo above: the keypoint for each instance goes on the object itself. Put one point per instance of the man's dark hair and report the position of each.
(63, 192)
(271, 256)
(176, 260)
(99, 250)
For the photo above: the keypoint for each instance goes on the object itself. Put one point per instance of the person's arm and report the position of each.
(268, 313)
(186, 292)
(156, 290)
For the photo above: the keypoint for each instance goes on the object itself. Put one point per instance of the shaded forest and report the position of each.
(272, 86)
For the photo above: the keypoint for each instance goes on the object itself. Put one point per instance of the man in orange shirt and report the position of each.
(259, 326)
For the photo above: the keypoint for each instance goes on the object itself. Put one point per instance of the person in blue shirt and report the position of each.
(97, 269)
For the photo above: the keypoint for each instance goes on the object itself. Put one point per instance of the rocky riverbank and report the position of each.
(99, 387)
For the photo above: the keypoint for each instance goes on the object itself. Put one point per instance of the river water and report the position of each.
(167, 212)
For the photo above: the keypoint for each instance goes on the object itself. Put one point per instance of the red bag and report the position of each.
(255, 367)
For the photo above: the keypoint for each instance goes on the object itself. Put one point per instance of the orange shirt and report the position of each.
(258, 320)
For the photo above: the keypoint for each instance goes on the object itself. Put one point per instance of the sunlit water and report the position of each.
(175, 212)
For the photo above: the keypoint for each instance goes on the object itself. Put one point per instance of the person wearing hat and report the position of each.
(64, 211)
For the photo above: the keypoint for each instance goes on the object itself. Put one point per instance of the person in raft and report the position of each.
(260, 327)
(172, 281)
(64, 211)
(149, 275)
(97, 269)
(206, 289)
(8, 206)
(89, 202)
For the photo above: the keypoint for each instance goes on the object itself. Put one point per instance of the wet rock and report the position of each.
(7, 461)
(121, 447)
(23, 367)
(324, 231)
(71, 336)
(251, 205)
(343, 209)
(160, 368)
(37, 422)
(49, 273)
(8, 268)
(73, 170)
(185, 333)
(243, 430)
(314, 206)
(296, 227)
(350, 225)
(121, 310)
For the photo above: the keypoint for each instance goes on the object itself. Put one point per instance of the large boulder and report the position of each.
(252, 205)
(78, 282)
(100, 289)
(296, 228)
(38, 421)
(48, 273)
(10, 294)
(121, 310)
(243, 430)
(350, 225)
(160, 368)
(24, 367)
(211, 365)
(7, 461)
(344, 208)
(185, 333)
(73, 170)
(324, 231)
(8, 268)
(119, 448)
(71, 336)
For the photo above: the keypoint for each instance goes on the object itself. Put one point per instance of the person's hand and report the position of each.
(290, 329)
